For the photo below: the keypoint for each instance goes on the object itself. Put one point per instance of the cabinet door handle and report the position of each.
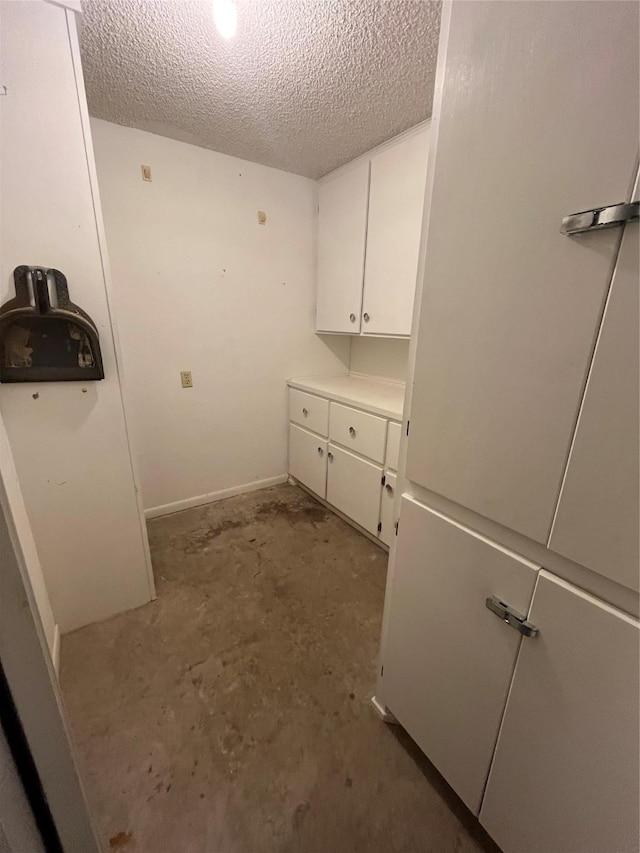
(320, 451)
(389, 489)
(511, 617)
(305, 412)
(352, 432)
(330, 456)
(352, 317)
(600, 217)
(366, 317)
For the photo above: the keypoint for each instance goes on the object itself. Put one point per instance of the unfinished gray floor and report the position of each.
(232, 714)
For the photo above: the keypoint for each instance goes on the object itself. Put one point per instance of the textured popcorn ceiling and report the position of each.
(305, 85)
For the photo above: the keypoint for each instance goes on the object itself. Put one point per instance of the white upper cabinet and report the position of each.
(396, 201)
(372, 209)
(342, 229)
(544, 126)
(597, 519)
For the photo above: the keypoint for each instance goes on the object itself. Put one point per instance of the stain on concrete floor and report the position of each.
(232, 714)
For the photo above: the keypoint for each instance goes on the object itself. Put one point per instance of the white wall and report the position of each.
(386, 358)
(68, 439)
(201, 286)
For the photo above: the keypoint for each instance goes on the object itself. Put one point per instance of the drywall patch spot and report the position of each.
(262, 217)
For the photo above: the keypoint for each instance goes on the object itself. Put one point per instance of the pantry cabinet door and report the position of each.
(542, 125)
(396, 202)
(447, 659)
(308, 459)
(596, 522)
(566, 769)
(353, 487)
(342, 230)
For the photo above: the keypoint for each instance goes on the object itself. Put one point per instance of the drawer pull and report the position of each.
(305, 412)
(320, 451)
(389, 489)
(511, 617)
(352, 432)
(352, 317)
(330, 456)
(366, 317)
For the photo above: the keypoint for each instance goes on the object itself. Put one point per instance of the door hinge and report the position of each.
(407, 427)
(383, 480)
(511, 617)
(379, 526)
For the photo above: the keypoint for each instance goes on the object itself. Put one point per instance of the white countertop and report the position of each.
(379, 396)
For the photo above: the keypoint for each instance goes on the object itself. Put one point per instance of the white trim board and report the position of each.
(212, 497)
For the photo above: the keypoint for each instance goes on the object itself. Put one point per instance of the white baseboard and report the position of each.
(212, 497)
(381, 710)
(55, 649)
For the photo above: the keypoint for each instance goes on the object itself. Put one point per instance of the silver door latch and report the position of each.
(511, 616)
(600, 217)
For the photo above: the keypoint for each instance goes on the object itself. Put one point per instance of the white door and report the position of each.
(596, 522)
(565, 774)
(448, 660)
(387, 509)
(544, 125)
(342, 232)
(396, 202)
(308, 459)
(353, 487)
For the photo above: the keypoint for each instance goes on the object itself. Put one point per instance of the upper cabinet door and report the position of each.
(537, 118)
(396, 202)
(342, 231)
(597, 519)
(564, 777)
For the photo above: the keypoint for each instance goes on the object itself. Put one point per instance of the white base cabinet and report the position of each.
(565, 774)
(353, 487)
(448, 661)
(343, 452)
(308, 459)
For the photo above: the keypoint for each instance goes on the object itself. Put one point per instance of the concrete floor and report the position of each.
(232, 715)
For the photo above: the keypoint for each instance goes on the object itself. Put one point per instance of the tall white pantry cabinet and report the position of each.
(510, 646)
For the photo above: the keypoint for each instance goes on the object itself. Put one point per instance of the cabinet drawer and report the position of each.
(358, 431)
(309, 411)
(393, 445)
(308, 459)
(353, 487)
(448, 660)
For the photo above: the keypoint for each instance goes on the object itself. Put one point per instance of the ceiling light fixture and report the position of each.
(225, 17)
